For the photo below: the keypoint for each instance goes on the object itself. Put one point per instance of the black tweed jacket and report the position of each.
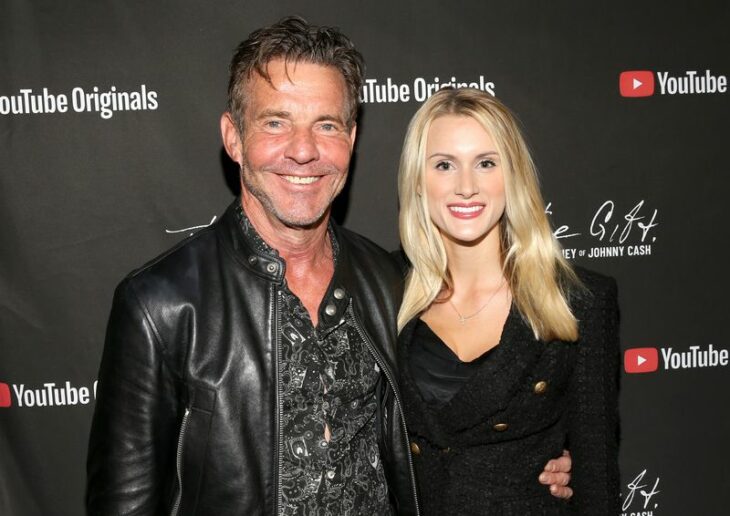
(482, 452)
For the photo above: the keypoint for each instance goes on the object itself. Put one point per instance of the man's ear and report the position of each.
(231, 137)
(353, 135)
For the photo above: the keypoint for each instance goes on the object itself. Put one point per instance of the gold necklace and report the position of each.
(463, 319)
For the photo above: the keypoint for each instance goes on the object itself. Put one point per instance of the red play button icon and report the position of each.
(5, 400)
(641, 360)
(636, 83)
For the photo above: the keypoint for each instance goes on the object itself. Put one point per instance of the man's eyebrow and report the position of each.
(330, 118)
(272, 113)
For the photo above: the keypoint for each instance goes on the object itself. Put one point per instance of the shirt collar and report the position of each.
(260, 245)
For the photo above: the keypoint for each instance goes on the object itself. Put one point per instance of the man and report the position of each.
(249, 370)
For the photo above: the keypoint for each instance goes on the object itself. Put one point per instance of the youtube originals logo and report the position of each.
(642, 83)
(636, 83)
(646, 360)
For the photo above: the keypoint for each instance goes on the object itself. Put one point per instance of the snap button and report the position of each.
(540, 387)
(415, 449)
(339, 293)
(252, 259)
(330, 310)
(271, 267)
(500, 427)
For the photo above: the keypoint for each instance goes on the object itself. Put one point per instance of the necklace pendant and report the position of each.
(462, 320)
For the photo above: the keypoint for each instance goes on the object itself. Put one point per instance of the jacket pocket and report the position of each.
(192, 447)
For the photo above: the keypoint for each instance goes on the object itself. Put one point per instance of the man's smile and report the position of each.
(302, 180)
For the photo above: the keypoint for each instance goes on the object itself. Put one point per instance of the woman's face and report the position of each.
(464, 180)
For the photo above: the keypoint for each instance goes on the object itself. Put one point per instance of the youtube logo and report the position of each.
(5, 400)
(636, 83)
(641, 360)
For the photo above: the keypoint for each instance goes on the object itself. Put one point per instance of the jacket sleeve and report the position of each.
(593, 425)
(130, 463)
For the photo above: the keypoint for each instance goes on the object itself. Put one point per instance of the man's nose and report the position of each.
(466, 184)
(302, 147)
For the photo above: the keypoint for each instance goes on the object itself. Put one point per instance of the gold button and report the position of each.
(415, 449)
(500, 427)
(540, 387)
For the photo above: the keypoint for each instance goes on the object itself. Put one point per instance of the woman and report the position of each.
(508, 354)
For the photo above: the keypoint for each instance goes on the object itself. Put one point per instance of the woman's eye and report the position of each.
(487, 163)
(443, 165)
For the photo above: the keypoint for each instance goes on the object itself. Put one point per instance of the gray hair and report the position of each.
(293, 39)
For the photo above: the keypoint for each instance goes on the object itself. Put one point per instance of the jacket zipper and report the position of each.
(388, 375)
(275, 298)
(178, 461)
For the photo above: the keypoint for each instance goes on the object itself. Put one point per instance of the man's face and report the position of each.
(296, 145)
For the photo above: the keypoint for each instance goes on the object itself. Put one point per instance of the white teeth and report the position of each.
(464, 209)
(301, 180)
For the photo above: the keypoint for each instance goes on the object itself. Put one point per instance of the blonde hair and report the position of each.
(539, 277)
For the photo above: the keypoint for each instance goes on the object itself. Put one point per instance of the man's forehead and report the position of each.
(281, 69)
(300, 81)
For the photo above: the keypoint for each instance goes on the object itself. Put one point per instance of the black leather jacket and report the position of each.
(188, 384)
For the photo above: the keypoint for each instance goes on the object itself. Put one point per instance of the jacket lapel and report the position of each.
(496, 382)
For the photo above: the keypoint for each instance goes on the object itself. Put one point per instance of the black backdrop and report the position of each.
(636, 187)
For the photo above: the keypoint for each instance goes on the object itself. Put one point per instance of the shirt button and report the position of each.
(415, 449)
(339, 293)
(271, 267)
(540, 387)
(501, 427)
(330, 310)
(252, 259)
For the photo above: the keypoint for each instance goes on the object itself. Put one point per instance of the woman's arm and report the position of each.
(593, 413)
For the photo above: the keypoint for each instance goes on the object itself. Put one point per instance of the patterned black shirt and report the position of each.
(330, 462)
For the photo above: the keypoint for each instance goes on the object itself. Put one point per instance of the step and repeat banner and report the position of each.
(110, 153)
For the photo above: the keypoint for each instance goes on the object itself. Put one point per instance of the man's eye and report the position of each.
(273, 124)
(443, 165)
(328, 127)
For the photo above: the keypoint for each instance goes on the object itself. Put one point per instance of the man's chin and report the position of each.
(304, 222)
(298, 219)
(306, 217)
